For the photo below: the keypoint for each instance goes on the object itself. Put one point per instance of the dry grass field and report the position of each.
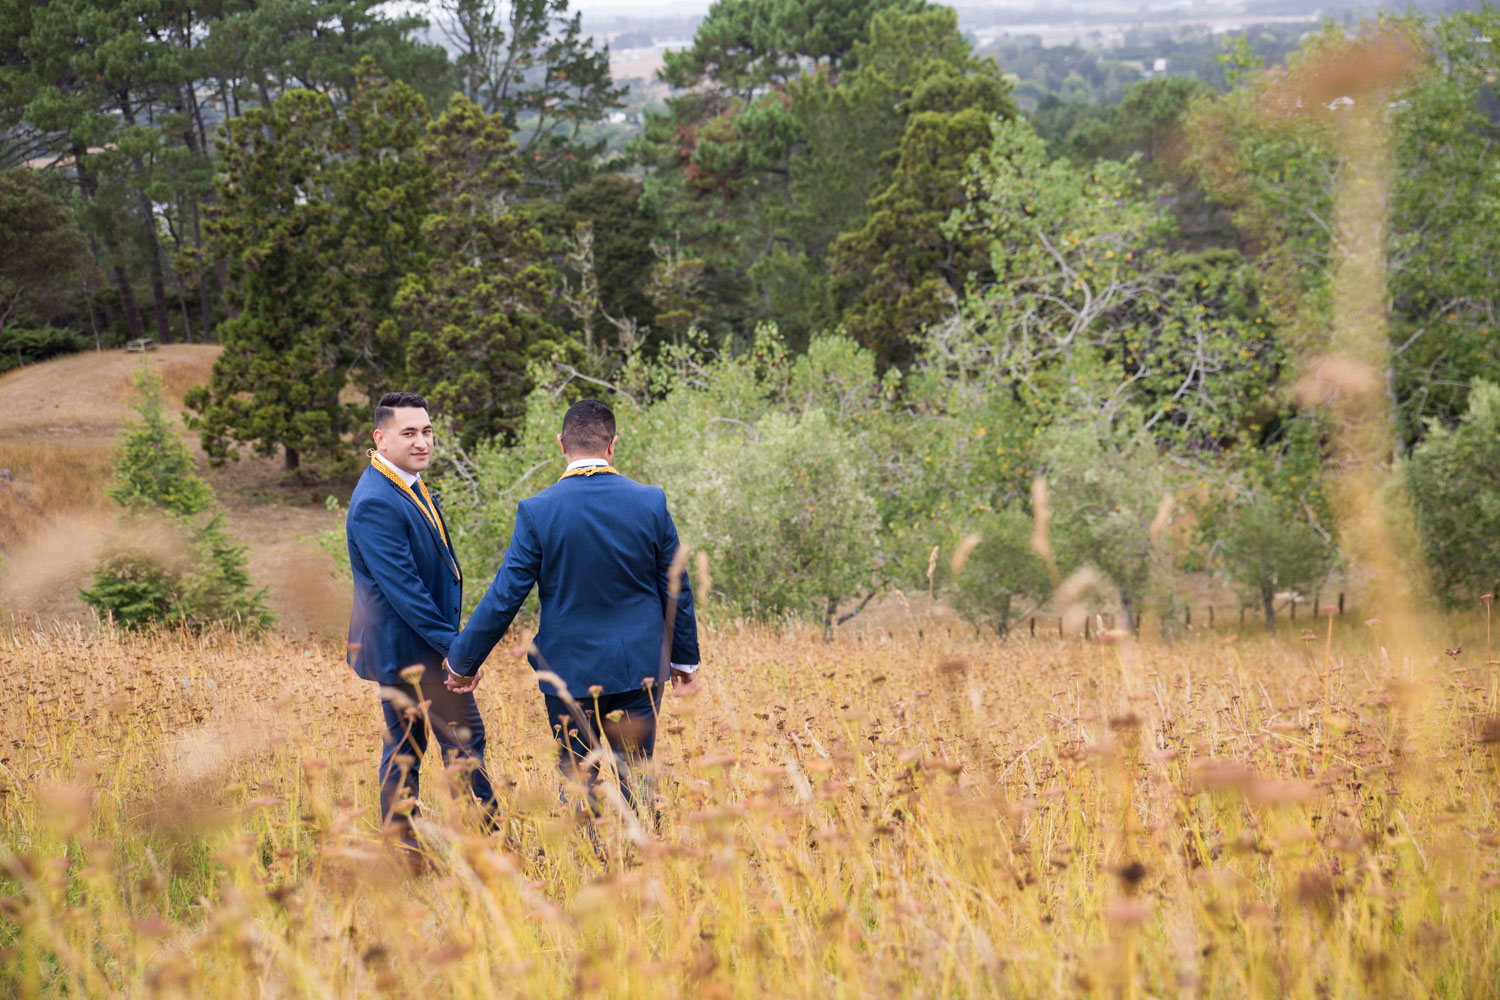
(942, 816)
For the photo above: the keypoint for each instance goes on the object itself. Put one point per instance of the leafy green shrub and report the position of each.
(1107, 487)
(198, 577)
(1455, 484)
(1001, 569)
(782, 511)
(19, 346)
(1271, 528)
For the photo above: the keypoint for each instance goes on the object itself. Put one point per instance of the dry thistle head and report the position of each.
(674, 573)
(1315, 889)
(1041, 513)
(961, 554)
(1132, 875)
(1361, 66)
(413, 673)
(1162, 519)
(705, 580)
(1330, 379)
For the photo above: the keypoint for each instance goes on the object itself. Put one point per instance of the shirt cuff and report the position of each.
(686, 668)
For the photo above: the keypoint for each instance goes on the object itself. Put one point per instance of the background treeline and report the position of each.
(850, 296)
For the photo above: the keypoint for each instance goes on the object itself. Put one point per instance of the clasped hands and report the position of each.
(683, 683)
(460, 685)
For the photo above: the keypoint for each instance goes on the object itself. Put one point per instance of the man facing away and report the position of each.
(599, 548)
(407, 590)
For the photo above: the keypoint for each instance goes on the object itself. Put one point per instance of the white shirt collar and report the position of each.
(585, 462)
(408, 478)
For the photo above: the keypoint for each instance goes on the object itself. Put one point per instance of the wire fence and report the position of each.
(1207, 615)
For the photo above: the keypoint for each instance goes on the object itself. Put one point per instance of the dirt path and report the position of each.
(57, 431)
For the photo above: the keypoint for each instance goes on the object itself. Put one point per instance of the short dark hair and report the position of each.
(588, 425)
(393, 401)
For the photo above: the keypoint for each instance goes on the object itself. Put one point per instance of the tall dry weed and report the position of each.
(193, 815)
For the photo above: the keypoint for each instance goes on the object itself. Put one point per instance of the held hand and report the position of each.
(686, 684)
(460, 685)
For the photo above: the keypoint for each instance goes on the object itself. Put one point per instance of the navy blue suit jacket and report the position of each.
(599, 549)
(406, 597)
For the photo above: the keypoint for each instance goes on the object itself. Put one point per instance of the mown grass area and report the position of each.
(193, 816)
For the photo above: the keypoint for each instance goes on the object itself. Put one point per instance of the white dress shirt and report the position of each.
(409, 478)
(583, 463)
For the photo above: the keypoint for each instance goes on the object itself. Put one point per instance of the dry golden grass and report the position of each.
(192, 816)
(47, 482)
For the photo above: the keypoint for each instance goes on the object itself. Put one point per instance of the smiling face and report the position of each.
(405, 439)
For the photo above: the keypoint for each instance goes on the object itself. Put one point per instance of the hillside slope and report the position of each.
(58, 424)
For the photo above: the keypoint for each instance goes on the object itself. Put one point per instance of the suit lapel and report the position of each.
(432, 532)
(452, 552)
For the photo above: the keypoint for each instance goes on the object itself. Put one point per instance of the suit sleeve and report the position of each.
(685, 626)
(491, 620)
(385, 547)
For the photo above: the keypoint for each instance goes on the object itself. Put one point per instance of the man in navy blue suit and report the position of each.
(599, 548)
(408, 586)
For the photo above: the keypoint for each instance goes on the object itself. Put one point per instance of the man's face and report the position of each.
(406, 440)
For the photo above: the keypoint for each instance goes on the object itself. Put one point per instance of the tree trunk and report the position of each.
(196, 137)
(293, 460)
(1268, 603)
(158, 278)
(148, 234)
(135, 323)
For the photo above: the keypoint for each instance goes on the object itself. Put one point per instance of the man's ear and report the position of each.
(377, 435)
(562, 447)
(612, 442)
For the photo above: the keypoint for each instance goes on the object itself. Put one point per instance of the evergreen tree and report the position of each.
(904, 269)
(40, 247)
(195, 576)
(623, 230)
(472, 317)
(320, 217)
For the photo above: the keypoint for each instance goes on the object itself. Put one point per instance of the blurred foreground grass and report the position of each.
(192, 816)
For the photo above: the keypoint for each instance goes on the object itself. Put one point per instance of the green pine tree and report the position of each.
(472, 317)
(320, 216)
(199, 576)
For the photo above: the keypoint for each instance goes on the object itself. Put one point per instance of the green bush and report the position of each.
(1454, 477)
(1271, 526)
(1001, 570)
(1107, 487)
(781, 509)
(20, 346)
